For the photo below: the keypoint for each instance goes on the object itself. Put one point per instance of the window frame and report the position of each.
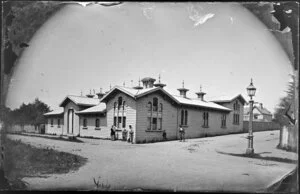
(97, 123)
(205, 119)
(84, 123)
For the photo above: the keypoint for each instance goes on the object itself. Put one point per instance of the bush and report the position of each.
(144, 141)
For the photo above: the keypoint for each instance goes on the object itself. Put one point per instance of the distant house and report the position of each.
(260, 113)
(149, 110)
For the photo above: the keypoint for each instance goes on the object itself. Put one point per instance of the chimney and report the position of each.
(100, 94)
(139, 87)
(161, 85)
(182, 91)
(201, 94)
(148, 82)
(90, 95)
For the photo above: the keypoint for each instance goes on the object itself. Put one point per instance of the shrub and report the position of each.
(144, 141)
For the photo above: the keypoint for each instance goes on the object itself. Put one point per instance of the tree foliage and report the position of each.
(31, 113)
(286, 104)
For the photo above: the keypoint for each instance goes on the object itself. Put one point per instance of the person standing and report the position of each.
(124, 134)
(164, 135)
(181, 133)
(130, 134)
(112, 133)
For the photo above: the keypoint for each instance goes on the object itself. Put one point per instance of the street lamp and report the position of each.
(251, 92)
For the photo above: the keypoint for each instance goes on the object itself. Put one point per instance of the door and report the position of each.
(70, 120)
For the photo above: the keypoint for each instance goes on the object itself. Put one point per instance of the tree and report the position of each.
(31, 113)
(284, 115)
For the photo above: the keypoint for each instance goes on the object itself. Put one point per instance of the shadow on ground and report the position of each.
(258, 156)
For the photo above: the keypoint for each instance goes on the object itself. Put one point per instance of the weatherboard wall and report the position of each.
(54, 129)
(130, 113)
(90, 130)
(169, 119)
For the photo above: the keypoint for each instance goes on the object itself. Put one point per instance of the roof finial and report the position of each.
(251, 81)
(90, 91)
(139, 81)
(131, 83)
(183, 84)
(124, 83)
(94, 91)
(100, 90)
(109, 86)
(158, 78)
(200, 88)
(80, 92)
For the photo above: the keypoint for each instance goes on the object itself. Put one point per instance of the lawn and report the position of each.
(24, 160)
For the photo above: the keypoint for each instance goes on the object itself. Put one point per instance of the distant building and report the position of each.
(260, 113)
(150, 110)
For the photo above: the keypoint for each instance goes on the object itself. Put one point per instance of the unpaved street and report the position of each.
(196, 164)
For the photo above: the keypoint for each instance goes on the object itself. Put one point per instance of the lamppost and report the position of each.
(251, 92)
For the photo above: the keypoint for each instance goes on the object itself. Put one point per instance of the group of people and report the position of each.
(130, 138)
(124, 134)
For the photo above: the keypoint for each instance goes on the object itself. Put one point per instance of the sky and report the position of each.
(220, 46)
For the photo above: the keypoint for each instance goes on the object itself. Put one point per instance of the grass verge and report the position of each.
(24, 160)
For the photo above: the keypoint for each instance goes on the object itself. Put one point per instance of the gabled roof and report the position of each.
(262, 110)
(178, 99)
(223, 99)
(56, 112)
(80, 100)
(100, 108)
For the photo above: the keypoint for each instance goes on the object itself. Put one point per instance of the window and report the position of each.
(120, 102)
(236, 113)
(51, 122)
(119, 121)
(160, 107)
(154, 123)
(236, 106)
(124, 122)
(97, 123)
(115, 121)
(223, 120)
(149, 123)
(205, 119)
(184, 117)
(159, 123)
(155, 104)
(154, 119)
(236, 119)
(84, 123)
(115, 105)
(123, 105)
(149, 106)
(58, 122)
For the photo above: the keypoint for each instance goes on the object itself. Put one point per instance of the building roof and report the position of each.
(80, 100)
(178, 99)
(262, 110)
(200, 103)
(227, 98)
(57, 112)
(100, 108)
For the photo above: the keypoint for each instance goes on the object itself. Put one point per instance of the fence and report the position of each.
(24, 128)
(261, 126)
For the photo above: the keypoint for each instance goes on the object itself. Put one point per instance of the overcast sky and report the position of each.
(218, 45)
